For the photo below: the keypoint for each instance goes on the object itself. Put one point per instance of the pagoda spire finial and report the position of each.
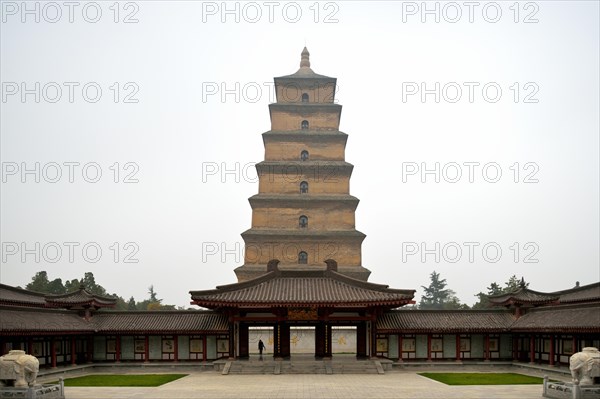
(305, 61)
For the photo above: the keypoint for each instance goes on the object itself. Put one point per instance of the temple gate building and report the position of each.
(302, 270)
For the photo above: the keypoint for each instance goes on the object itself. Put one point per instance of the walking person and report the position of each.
(261, 346)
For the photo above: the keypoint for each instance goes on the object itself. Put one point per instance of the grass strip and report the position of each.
(483, 378)
(122, 380)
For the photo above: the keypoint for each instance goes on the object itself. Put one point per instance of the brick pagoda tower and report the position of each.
(303, 213)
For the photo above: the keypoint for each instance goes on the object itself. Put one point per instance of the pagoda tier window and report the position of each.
(303, 258)
(304, 97)
(304, 125)
(304, 188)
(303, 221)
(304, 155)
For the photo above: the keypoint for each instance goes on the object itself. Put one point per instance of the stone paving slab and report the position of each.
(397, 384)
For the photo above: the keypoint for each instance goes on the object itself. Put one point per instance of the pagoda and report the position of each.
(303, 213)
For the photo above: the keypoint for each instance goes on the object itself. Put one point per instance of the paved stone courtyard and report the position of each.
(393, 384)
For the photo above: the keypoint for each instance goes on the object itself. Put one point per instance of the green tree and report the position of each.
(41, 283)
(131, 304)
(121, 304)
(90, 284)
(437, 296)
(153, 297)
(153, 302)
(72, 285)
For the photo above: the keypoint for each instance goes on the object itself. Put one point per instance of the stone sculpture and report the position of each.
(18, 369)
(585, 366)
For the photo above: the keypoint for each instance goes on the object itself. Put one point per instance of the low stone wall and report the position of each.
(568, 390)
(44, 391)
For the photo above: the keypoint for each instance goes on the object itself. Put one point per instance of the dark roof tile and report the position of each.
(437, 321)
(24, 320)
(586, 293)
(81, 297)
(297, 288)
(582, 318)
(523, 295)
(161, 321)
(20, 297)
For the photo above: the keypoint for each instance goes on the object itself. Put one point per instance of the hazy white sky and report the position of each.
(130, 87)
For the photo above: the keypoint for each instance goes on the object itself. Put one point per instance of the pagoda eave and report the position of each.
(286, 235)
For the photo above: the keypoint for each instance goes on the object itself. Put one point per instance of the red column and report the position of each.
(204, 348)
(532, 349)
(400, 341)
(575, 345)
(458, 347)
(487, 347)
(551, 355)
(73, 349)
(53, 353)
(515, 347)
(428, 347)
(30, 346)
(146, 349)
(118, 348)
(176, 347)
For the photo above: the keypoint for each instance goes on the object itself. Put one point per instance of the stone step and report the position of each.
(303, 367)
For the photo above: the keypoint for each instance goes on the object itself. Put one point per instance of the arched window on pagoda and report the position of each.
(304, 125)
(303, 221)
(303, 258)
(305, 97)
(304, 155)
(303, 187)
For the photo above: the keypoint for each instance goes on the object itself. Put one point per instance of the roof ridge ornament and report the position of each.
(305, 58)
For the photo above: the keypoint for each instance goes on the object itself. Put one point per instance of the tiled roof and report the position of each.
(586, 293)
(24, 320)
(298, 288)
(414, 321)
(581, 318)
(20, 297)
(13, 296)
(81, 297)
(161, 321)
(523, 295)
